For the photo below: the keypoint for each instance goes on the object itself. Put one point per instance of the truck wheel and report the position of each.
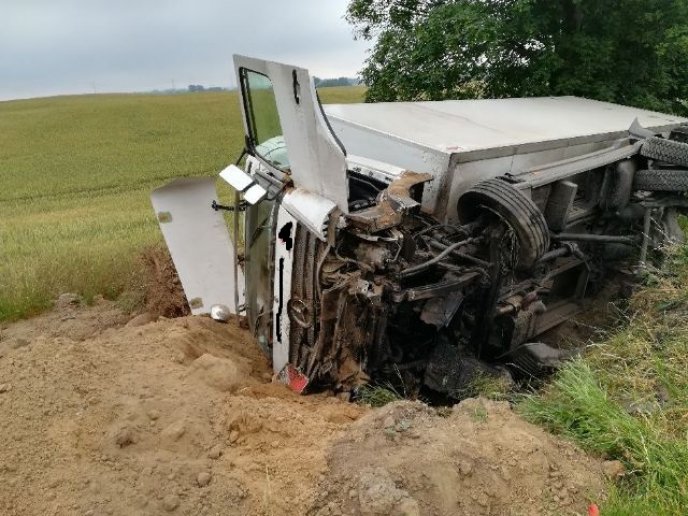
(519, 212)
(666, 150)
(661, 180)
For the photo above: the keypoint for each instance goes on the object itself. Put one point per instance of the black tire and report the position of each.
(668, 151)
(661, 180)
(521, 213)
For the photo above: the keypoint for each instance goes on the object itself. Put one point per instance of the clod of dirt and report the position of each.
(164, 294)
(170, 503)
(67, 301)
(173, 432)
(203, 479)
(19, 343)
(221, 374)
(124, 437)
(614, 469)
(141, 320)
(378, 495)
(215, 452)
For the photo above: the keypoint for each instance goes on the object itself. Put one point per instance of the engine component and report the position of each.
(455, 375)
(535, 358)
(559, 204)
(618, 185)
(392, 203)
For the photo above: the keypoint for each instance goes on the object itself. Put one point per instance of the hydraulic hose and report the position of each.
(426, 265)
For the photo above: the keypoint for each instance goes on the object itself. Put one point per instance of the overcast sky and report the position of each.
(51, 47)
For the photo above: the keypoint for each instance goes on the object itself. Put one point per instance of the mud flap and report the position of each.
(199, 242)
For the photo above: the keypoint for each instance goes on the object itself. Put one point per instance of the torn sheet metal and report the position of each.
(311, 210)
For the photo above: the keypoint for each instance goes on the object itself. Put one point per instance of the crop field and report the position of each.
(76, 175)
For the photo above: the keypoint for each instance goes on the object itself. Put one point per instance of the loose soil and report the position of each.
(105, 414)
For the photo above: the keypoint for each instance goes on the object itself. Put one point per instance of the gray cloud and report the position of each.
(72, 46)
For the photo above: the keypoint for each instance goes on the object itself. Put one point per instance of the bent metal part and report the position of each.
(421, 243)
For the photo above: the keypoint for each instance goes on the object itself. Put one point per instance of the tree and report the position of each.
(339, 81)
(633, 52)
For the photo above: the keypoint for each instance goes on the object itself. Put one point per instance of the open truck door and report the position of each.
(198, 240)
(280, 102)
(294, 154)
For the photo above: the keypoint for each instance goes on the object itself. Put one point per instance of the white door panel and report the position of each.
(284, 259)
(199, 243)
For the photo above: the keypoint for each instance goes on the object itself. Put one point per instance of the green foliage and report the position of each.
(491, 387)
(378, 395)
(76, 175)
(627, 51)
(577, 406)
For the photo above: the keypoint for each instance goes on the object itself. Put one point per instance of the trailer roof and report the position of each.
(476, 126)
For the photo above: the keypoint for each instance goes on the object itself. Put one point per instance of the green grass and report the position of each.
(76, 175)
(628, 399)
(378, 395)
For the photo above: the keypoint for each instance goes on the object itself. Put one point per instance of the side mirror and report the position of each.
(243, 183)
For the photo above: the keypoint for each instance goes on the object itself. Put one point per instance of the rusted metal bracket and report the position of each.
(392, 203)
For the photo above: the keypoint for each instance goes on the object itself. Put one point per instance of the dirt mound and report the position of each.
(177, 415)
(163, 292)
(477, 458)
(102, 415)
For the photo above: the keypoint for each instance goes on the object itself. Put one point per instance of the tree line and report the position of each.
(633, 52)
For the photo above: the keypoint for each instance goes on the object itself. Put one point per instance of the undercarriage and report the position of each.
(403, 298)
(423, 244)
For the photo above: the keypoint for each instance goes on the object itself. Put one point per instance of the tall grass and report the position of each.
(76, 174)
(628, 398)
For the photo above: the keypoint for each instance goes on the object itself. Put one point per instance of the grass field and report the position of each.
(628, 398)
(76, 175)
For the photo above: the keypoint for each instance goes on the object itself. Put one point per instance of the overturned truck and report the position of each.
(422, 241)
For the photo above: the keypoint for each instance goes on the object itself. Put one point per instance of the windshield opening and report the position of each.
(266, 138)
